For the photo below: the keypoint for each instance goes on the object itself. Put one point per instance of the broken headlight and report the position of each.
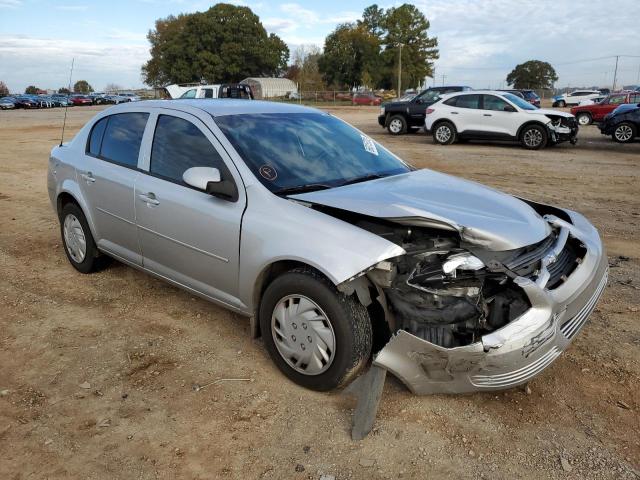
(461, 261)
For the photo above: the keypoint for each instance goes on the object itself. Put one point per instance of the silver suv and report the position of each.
(333, 246)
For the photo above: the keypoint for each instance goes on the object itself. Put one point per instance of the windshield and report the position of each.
(520, 102)
(316, 150)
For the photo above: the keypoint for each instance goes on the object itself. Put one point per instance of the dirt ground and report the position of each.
(97, 372)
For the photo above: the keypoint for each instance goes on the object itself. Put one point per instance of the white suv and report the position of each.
(490, 115)
(575, 97)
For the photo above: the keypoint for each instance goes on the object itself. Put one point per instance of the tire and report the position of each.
(562, 104)
(444, 133)
(625, 132)
(397, 125)
(584, 119)
(340, 320)
(534, 137)
(74, 226)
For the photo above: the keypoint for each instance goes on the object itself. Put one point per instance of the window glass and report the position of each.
(468, 101)
(179, 145)
(208, 93)
(451, 101)
(491, 102)
(635, 98)
(189, 94)
(617, 99)
(286, 150)
(95, 139)
(122, 138)
(520, 102)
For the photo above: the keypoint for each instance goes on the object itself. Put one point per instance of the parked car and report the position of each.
(587, 114)
(407, 114)
(493, 115)
(226, 90)
(623, 124)
(574, 98)
(7, 103)
(473, 289)
(517, 93)
(23, 101)
(365, 98)
(532, 97)
(592, 101)
(131, 96)
(81, 100)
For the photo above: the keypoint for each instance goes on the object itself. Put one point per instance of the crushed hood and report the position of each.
(546, 111)
(482, 215)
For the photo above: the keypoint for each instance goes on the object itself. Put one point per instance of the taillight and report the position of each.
(428, 111)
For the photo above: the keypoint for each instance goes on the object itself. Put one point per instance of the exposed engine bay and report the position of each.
(562, 129)
(446, 291)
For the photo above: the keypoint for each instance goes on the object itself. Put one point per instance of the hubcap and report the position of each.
(395, 126)
(74, 238)
(583, 120)
(303, 335)
(443, 134)
(623, 133)
(532, 137)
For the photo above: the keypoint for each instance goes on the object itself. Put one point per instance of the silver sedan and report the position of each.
(335, 248)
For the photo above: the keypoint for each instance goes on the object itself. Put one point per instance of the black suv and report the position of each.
(407, 114)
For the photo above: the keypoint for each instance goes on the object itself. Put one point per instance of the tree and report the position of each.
(4, 90)
(305, 70)
(532, 74)
(31, 90)
(349, 51)
(408, 26)
(82, 86)
(373, 20)
(224, 44)
(64, 91)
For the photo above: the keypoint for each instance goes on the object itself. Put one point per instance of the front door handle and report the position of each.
(486, 115)
(454, 113)
(88, 177)
(149, 198)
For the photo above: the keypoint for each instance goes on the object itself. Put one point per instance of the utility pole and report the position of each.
(615, 74)
(443, 77)
(400, 72)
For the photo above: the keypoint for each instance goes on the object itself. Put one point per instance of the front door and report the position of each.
(107, 178)
(187, 235)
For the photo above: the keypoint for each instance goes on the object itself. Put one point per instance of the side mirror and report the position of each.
(209, 180)
(509, 108)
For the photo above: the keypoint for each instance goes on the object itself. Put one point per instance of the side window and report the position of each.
(189, 94)
(617, 99)
(451, 101)
(468, 101)
(491, 102)
(634, 98)
(179, 145)
(208, 93)
(95, 138)
(122, 138)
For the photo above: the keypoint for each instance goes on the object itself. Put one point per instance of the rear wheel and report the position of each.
(316, 335)
(584, 118)
(397, 125)
(561, 104)
(624, 133)
(444, 133)
(78, 242)
(533, 137)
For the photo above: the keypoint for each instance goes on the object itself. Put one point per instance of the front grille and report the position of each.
(516, 377)
(573, 325)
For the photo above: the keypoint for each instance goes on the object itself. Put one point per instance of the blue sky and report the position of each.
(480, 40)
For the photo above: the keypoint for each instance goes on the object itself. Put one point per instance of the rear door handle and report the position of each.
(454, 113)
(486, 115)
(88, 177)
(149, 198)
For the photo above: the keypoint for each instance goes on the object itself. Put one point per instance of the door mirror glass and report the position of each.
(509, 108)
(201, 177)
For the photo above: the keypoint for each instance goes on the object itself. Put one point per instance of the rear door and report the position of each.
(107, 180)
(466, 113)
(187, 235)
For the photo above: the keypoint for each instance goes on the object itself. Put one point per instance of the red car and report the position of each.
(81, 100)
(365, 98)
(587, 114)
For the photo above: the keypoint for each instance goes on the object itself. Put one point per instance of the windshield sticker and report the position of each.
(268, 172)
(369, 145)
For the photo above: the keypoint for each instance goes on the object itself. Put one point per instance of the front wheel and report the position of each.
(397, 125)
(316, 335)
(444, 133)
(624, 133)
(533, 137)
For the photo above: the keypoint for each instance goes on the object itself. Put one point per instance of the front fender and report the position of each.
(276, 229)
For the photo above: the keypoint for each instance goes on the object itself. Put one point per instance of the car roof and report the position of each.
(219, 107)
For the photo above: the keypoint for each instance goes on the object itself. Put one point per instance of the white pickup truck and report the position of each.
(225, 90)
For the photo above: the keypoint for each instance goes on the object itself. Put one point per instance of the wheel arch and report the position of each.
(529, 123)
(70, 192)
(438, 122)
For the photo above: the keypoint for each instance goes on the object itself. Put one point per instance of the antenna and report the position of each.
(66, 107)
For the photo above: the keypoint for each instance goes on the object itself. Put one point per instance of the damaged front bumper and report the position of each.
(567, 132)
(518, 351)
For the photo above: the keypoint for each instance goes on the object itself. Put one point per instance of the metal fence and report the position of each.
(323, 97)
